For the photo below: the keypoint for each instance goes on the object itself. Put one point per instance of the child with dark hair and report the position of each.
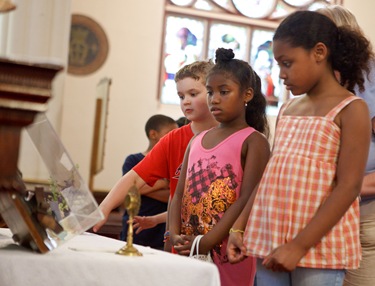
(165, 159)
(156, 127)
(182, 121)
(222, 166)
(304, 220)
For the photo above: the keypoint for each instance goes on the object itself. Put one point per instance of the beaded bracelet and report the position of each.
(236, 230)
(166, 236)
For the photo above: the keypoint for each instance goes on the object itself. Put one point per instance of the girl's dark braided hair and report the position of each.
(246, 77)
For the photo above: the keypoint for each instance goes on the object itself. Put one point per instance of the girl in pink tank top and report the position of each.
(222, 166)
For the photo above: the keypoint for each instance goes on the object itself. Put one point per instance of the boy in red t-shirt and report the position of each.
(165, 159)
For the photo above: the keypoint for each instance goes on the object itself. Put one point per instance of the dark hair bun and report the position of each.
(224, 55)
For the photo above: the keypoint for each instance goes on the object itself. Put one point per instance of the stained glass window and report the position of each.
(183, 45)
(264, 64)
(228, 36)
(194, 29)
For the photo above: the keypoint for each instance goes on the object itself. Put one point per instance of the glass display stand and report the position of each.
(70, 201)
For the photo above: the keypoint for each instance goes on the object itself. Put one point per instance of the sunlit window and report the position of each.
(194, 29)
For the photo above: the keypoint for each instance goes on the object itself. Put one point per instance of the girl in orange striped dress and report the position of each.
(303, 225)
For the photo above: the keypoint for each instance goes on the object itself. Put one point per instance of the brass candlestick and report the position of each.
(132, 204)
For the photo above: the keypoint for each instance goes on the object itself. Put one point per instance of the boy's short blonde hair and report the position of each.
(197, 70)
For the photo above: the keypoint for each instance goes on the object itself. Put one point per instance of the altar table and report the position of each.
(90, 259)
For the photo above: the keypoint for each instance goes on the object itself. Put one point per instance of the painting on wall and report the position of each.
(88, 46)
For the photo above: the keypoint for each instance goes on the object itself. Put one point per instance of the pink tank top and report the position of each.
(213, 184)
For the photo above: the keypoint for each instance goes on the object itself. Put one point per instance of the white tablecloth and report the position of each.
(90, 259)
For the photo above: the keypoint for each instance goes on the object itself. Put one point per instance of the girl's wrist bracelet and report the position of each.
(166, 236)
(236, 230)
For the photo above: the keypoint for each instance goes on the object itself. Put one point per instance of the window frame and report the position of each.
(227, 18)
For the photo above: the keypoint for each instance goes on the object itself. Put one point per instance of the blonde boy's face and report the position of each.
(193, 99)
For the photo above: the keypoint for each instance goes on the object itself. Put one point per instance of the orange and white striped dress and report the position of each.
(298, 178)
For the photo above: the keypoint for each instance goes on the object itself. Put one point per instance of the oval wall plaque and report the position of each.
(88, 46)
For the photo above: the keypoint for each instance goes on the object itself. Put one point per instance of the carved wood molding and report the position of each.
(26, 86)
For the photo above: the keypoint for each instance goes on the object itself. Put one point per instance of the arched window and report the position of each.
(194, 29)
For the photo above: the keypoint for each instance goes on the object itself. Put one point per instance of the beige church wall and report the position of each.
(364, 12)
(134, 29)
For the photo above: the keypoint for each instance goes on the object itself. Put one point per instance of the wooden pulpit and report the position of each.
(25, 89)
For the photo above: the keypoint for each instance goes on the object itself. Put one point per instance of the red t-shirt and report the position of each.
(164, 161)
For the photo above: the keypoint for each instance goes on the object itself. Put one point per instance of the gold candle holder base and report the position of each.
(129, 250)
